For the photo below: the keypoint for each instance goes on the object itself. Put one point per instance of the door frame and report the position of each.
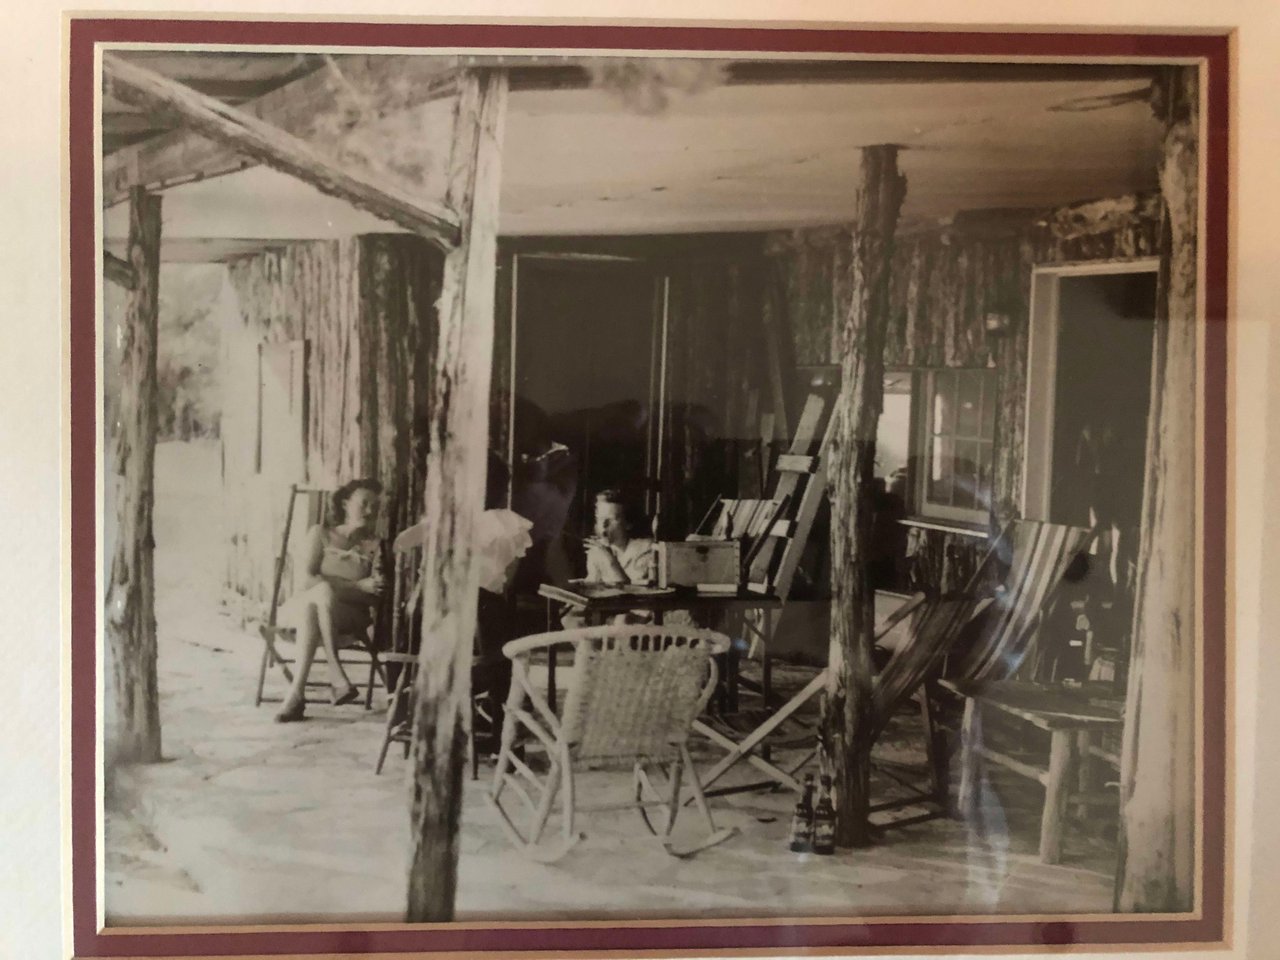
(657, 400)
(1042, 371)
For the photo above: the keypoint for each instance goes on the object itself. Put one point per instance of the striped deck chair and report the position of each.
(1043, 557)
(1038, 556)
(929, 634)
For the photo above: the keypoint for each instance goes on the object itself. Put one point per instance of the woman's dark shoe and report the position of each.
(291, 711)
(349, 695)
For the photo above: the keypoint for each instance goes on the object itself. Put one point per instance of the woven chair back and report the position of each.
(635, 691)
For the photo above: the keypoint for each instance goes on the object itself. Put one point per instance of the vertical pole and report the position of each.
(848, 708)
(664, 331)
(1156, 870)
(454, 497)
(513, 375)
(130, 604)
(969, 798)
(1063, 757)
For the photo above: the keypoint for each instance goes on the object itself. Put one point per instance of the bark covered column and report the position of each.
(454, 495)
(847, 709)
(130, 606)
(1159, 760)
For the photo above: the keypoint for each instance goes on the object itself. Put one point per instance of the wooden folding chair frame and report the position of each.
(399, 723)
(744, 749)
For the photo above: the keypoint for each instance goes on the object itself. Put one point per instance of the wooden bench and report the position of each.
(1075, 717)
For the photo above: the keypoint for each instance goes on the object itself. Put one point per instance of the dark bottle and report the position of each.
(802, 819)
(824, 821)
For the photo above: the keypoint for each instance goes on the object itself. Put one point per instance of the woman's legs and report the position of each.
(319, 613)
(308, 641)
(327, 618)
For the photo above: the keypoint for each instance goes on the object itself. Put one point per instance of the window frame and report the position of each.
(922, 432)
(297, 398)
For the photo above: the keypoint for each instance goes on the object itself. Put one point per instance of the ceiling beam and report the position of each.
(209, 249)
(554, 72)
(264, 143)
(118, 270)
(183, 155)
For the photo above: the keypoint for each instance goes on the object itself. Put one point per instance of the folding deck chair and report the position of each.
(273, 635)
(631, 697)
(1038, 555)
(926, 628)
(483, 719)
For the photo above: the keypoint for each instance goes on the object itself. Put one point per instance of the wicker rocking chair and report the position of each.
(632, 695)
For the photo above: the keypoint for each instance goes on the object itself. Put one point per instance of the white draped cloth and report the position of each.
(501, 538)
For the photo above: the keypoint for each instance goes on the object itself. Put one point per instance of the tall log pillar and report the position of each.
(130, 620)
(1156, 869)
(455, 484)
(847, 708)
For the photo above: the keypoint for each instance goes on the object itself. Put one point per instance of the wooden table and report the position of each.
(1074, 716)
(597, 603)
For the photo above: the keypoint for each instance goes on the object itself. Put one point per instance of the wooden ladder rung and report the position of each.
(797, 463)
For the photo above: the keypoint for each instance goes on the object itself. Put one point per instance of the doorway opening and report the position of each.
(588, 380)
(1089, 377)
(1092, 333)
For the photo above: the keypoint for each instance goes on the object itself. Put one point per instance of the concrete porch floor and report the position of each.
(252, 821)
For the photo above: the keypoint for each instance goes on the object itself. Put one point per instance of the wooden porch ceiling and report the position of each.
(751, 145)
(233, 78)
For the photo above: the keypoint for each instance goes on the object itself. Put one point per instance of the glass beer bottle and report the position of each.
(802, 819)
(824, 821)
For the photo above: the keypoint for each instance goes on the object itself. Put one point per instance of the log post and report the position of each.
(848, 708)
(130, 619)
(1156, 870)
(455, 484)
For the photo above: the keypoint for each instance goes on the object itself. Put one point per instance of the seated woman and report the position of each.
(341, 563)
(618, 553)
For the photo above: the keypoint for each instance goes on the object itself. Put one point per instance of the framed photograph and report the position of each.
(601, 488)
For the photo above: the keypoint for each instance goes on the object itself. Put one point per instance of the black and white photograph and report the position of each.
(624, 486)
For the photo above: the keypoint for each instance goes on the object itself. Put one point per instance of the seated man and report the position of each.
(501, 539)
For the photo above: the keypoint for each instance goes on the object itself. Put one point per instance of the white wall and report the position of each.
(30, 372)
